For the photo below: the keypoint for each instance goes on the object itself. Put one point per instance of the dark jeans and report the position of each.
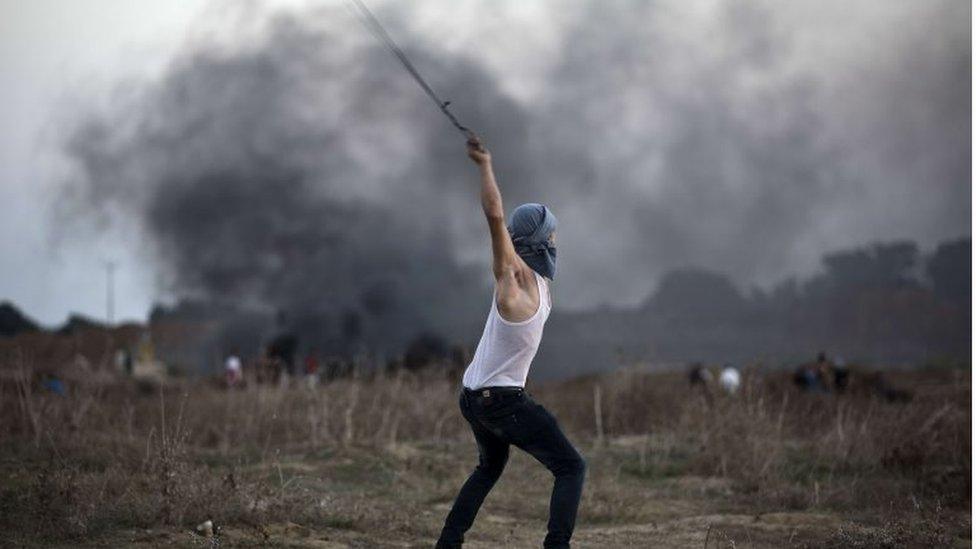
(514, 418)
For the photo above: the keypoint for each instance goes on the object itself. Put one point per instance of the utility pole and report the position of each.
(110, 292)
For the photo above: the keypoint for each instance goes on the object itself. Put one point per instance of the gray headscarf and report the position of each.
(530, 226)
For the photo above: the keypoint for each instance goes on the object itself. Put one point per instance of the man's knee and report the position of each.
(491, 470)
(571, 466)
(492, 467)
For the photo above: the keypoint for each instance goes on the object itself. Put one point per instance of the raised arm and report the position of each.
(504, 258)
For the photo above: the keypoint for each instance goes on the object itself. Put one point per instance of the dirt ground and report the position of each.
(399, 497)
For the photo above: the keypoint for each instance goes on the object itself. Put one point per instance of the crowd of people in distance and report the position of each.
(275, 367)
(821, 376)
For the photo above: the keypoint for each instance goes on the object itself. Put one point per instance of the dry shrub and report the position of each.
(785, 448)
(190, 452)
(927, 527)
(108, 455)
(741, 437)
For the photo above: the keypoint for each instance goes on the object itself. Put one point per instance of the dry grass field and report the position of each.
(375, 462)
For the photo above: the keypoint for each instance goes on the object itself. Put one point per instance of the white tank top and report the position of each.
(506, 349)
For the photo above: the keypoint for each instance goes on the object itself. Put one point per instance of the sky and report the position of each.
(55, 55)
(687, 119)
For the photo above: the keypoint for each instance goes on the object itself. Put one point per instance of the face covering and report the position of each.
(530, 227)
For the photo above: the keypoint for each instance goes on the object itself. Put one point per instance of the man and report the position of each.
(493, 399)
(233, 371)
(312, 369)
(281, 352)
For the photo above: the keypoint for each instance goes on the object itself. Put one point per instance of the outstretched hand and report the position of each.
(478, 152)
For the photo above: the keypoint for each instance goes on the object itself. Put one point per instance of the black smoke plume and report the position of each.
(304, 172)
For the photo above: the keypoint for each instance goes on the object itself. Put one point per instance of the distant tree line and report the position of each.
(884, 303)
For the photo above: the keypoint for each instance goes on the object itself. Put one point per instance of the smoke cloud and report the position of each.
(305, 172)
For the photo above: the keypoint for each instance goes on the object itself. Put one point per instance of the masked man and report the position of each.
(493, 399)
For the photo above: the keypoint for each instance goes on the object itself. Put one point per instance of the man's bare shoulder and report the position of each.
(517, 293)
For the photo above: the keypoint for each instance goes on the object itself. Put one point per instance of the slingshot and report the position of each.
(373, 24)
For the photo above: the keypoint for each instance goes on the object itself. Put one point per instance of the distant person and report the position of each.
(493, 399)
(823, 364)
(233, 370)
(699, 377)
(312, 369)
(268, 368)
(123, 361)
(282, 352)
(698, 374)
(730, 379)
(815, 377)
(53, 384)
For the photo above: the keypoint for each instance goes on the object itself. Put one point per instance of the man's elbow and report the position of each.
(495, 215)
